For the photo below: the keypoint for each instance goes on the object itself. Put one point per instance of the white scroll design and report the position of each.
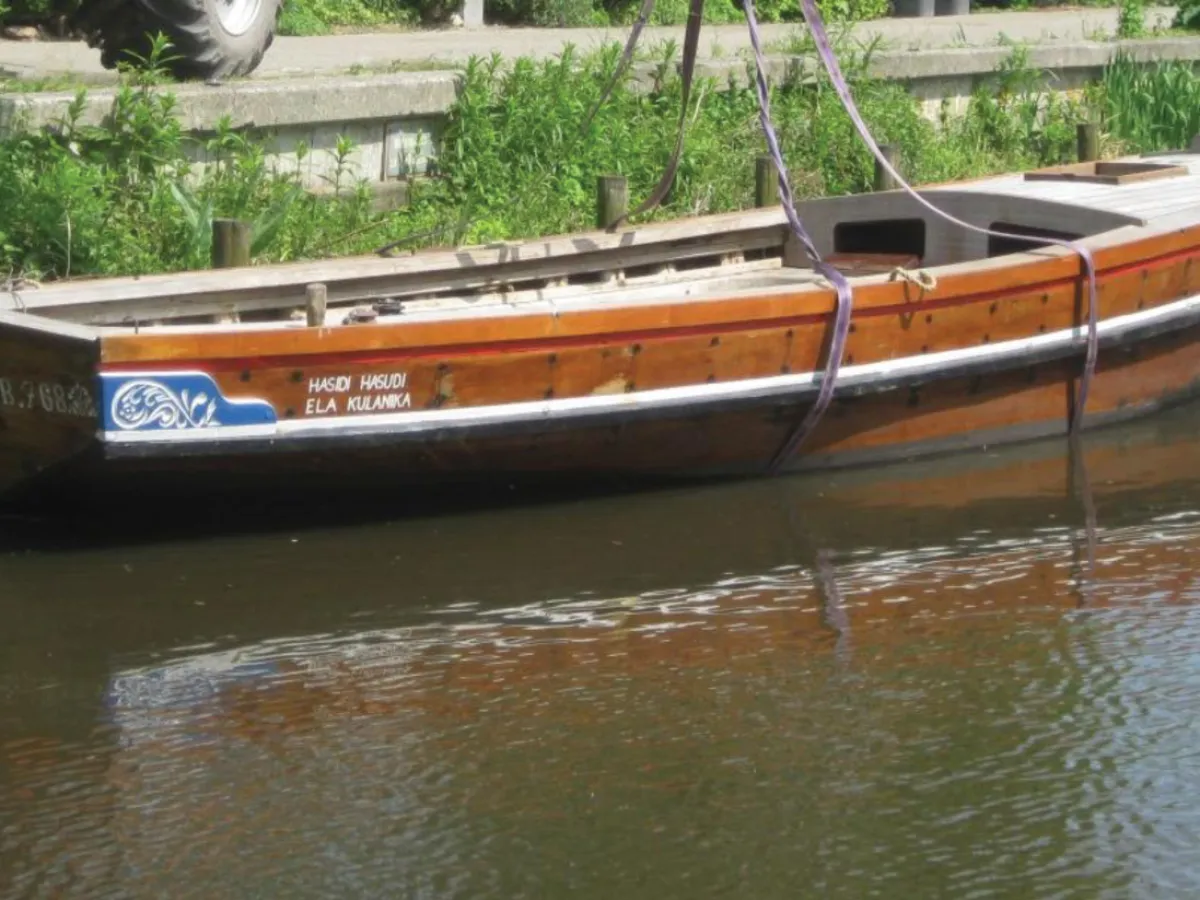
(151, 404)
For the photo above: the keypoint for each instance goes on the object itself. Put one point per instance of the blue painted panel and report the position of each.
(174, 401)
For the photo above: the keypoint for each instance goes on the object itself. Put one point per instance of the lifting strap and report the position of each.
(841, 323)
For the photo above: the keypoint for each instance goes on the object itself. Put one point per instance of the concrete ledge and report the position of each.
(957, 62)
(395, 120)
(255, 104)
(328, 99)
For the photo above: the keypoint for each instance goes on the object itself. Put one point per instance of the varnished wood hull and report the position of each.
(663, 377)
(910, 421)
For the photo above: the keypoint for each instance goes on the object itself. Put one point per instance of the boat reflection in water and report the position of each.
(936, 677)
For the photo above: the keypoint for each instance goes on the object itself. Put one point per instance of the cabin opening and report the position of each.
(1031, 240)
(891, 237)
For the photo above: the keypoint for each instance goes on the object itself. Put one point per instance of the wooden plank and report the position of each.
(619, 365)
(264, 287)
(657, 286)
(208, 298)
(1004, 274)
(1108, 173)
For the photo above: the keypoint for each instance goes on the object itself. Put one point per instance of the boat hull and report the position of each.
(702, 360)
(47, 408)
(922, 416)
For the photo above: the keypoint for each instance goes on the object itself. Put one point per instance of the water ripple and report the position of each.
(959, 719)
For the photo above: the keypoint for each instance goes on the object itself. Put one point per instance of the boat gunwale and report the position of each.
(473, 422)
(483, 303)
(957, 284)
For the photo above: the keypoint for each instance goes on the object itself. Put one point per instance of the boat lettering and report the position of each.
(320, 406)
(379, 402)
(47, 397)
(329, 384)
(383, 381)
(331, 395)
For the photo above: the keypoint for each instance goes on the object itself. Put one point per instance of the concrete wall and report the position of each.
(395, 120)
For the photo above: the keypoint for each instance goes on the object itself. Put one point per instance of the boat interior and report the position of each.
(867, 236)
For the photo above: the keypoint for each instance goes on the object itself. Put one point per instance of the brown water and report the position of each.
(930, 682)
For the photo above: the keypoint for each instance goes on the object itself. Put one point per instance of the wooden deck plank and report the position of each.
(1148, 200)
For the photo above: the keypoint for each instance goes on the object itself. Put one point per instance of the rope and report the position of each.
(812, 16)
(921, 278)
(845, 301)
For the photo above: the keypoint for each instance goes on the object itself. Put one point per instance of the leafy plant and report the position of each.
(519, 158)
(1187, 15)
(1131, 19)
(1152, 107)
(309, 17)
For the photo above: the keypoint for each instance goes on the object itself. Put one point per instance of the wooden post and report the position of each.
(1089, 141)
(230, 243)
(766, 182)
(883, 178)
(314, 305)
(612, 199)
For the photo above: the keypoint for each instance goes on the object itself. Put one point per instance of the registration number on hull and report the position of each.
(47, 397)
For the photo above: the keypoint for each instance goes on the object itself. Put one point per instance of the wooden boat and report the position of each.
(687, 348)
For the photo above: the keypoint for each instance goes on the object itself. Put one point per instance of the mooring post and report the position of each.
(883, 178)
(230, 243)
(1089, 141)
(766, 182)
(315, 296)
(612, 199)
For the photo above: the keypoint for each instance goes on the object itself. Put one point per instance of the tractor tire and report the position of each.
(210, 39)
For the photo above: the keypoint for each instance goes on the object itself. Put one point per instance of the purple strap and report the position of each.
(812, 15)
(845, 300)
(625, 60)
(837, 346)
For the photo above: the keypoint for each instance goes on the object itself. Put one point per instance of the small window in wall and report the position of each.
(905, 237)
(1030, 238)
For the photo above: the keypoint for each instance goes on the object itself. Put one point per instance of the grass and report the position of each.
(1155, 108)
(517, 160)
(54, 83)
(310, 17)
(396, 66)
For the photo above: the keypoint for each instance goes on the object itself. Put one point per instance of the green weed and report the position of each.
(519, 158)
(1187, 16)
(1152, 108)
(1131, 19)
